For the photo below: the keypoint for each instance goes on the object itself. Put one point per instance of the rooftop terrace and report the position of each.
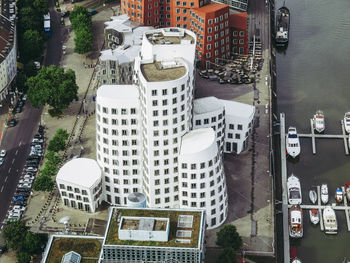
(154, 72)
(176, 227)
(169, 36)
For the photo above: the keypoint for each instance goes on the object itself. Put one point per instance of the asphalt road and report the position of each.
(258, 13)
(16, 140)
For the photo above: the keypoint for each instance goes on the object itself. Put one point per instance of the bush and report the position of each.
(228, 237)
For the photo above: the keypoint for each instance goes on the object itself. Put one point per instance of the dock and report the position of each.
(314, 135)
(346, 210)
(319, 207)
(286, 245)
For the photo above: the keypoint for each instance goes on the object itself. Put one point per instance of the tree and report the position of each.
(54, 87)
(20, 82)
(228, 237)
(43, 183)
(28, 19)
(32, 243)
(52, 158)
(81, 20)
(23, 257)
(78, 10)
(14, 235)
(83, 40)
(228, 255)
(49, 170)
(31, 45)
(41, 7)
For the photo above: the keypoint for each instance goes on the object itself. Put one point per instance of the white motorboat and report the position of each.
(294, 190)
(314, 216)
(324, 193)
(313, 196)
(347, 122)
(318, 121)
(296, 260)
(296, 221)
(339, 195)
(292, 142)
(347, 190)
(330, 221)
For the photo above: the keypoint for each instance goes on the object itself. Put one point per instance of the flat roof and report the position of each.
(158, 38)
(121, 54)
(153, 72)
(80, 171)
(207, 104)
(173, 215)
(238, 109)
(212, 7)
(118, 92)
(144, 223)
(197, 140)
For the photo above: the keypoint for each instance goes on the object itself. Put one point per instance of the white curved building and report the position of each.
(202, 180)
(164, 73)
(118, 141)
(79, 183)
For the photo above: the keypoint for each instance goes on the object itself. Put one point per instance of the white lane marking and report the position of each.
(13, 161)
(10, 170)
(20, 143)
(16, 152)
(6, 178)
(2, 188)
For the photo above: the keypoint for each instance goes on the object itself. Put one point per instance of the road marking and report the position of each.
(20, 143)
(5, 179)
(10, 170)
(16, 152)
(2, 188)
(13, 161)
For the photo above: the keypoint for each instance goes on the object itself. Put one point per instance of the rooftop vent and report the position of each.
(185, 221)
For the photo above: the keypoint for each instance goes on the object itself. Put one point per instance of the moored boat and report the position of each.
(294, 190)
(347, 122)
(314, 216)
(292, 142)
(296, 260)
(313, 196)
(339, 195)
(282, 26)
(324, 193)
(319, 122)
(296, 221)
(330, 221)
(347, 190)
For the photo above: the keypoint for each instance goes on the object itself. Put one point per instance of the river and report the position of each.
(313, 73)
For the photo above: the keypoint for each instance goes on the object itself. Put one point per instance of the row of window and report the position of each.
(114, 111)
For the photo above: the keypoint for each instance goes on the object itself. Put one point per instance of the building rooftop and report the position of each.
(156, 220)
(163, 71)
(169, 36)
(207, 104)
(197, 140)
(80, 171)
(124, 93)
(239, 20)
(212, 7)
(6, 37)
(122, 54)
(238, 109)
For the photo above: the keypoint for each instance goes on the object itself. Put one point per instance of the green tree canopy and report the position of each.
(29, 20)
(78, 10)
(58, 142)
(229, 237)
(54, 87)
(32, 243)
(43, 183)
(228, 255)
(49, 170)
(83, 40)
(23, 257)
(41, 7)
(31, 45)
(52, 158)
(14, 234)
(81, 20)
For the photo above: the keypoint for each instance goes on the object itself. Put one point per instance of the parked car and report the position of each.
(25, 195)
(19, 208)
(24, 97)
(41, 129)
(1, 160)
(20, 202)
(12, 123)
(30, 177)
(25, 181)
(35, 140)
(38, 136)
(18, 109)
(31, 169)
(2, 153)
(24, 185)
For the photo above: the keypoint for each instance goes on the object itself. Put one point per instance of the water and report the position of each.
(314, 74)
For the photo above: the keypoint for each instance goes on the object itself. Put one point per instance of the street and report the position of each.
(16, 140)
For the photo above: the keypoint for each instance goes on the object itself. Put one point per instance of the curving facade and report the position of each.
(118, 144)
(201, 176)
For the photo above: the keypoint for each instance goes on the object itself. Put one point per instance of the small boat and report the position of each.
(294, 190)
(319, 122)
(282, 26)
(339, 195)
(313, 196)
(296, 260)
(324, 193)
(314, 216)
(292, 142)
(347, 190)
(296, 221)
(347, 122)
(330, 221)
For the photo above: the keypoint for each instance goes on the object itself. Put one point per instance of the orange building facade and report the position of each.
(209, 21)
(239, 33)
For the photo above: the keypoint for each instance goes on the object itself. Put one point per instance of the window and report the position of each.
(241, 33)
(238, 136)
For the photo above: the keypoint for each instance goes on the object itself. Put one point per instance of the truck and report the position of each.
(47, 24)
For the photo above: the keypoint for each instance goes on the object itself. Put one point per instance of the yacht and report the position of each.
(282, 26)
(294, 190)
(324, 193)
(296, 221)
(313, 196)
(319, 122)
(314, 216)
(347, 122)
(330, 221)
(292, 142)
(339, 195)
(296, 260)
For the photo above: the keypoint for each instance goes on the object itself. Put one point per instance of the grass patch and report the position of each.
(90, 248)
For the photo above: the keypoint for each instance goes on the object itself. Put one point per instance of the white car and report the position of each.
(31, 169)
(2, 153)
(24, 97)
(24, 185)
(25, 181)
(15, 213)
(19, 208)
(28, 177)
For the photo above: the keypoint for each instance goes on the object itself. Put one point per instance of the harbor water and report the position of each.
(314, 73)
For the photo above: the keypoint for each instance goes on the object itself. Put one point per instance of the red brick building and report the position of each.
(239, 33)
